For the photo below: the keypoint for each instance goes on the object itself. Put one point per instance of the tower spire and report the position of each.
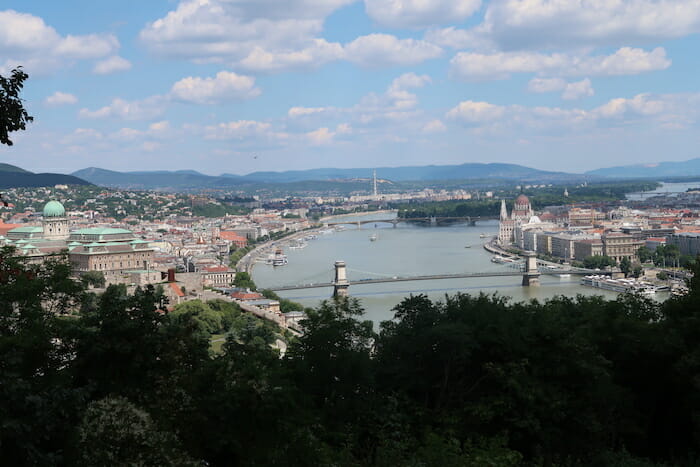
(374, 182)
(504, 211)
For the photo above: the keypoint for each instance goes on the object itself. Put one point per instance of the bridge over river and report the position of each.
(468, 275)
(432, 220)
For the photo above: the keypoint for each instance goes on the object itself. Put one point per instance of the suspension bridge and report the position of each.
(430, 220)
(528, 269)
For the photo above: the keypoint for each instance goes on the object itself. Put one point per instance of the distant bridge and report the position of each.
(432, 220)
(468, 275)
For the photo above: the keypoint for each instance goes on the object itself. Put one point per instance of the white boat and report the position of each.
(619, 285)
(298, 245)
(564, 276)
(373, 238)
(278, 259)
(483, 235)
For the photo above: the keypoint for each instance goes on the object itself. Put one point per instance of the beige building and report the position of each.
(589, 247)
(620, 245)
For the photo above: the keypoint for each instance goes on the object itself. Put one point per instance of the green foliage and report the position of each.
(239, 253)
(13, 116)
(661, 275)
(598, 262)
(625, 266)
(469, 380)
(645, 254)
(285, 304)
(93, 278)
(115, 432)
(244, 281)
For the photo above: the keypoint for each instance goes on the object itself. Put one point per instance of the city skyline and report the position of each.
(243, 86)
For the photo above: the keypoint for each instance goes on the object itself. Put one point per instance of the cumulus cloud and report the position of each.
(219, 30)
(570, 91)
(224, 86)
(237, 130)
(517, 24)
(475, 112)
(27, 40)
(129, 110)
(60, 98)
(318, 53)
(111, 65)
(472, 66)
(434, 126)
(320, 137)
(577, 90)
(419, 13)
(376, 50)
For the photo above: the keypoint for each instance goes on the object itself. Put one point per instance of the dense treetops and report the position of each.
(469, 380)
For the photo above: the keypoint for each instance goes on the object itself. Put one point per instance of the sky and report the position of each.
(238, 86)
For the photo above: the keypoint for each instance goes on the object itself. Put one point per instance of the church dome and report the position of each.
(54, 209)
(522, 200)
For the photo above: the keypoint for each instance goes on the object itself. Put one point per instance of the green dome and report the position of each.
(54, 209)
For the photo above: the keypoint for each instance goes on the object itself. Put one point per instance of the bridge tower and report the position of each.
(531, 276)
(340, 284)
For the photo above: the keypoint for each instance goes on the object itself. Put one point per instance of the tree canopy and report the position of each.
(469, 380)
(13, 116)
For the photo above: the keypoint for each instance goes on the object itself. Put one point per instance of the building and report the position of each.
(114, 252)
(521, 214)
(588, 247)
(688, 243)
(621, 245)
(217, 276)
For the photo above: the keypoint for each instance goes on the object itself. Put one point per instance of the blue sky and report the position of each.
(239, 86)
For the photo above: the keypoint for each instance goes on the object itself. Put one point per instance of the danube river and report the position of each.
(406, 250)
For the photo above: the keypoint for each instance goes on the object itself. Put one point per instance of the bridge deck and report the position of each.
(427, 278)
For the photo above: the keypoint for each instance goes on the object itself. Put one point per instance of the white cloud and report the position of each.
(453, 38)
(570, 91)
(577, 90)
(419, 13)
(304, 111)
(541, 85)
(318, 53)
(434, 126)
(224, 86)
(219, 30)
(517, 24)
(129, 110)
(378, 50)
(27, 40)
(60, 98)
(111, 65)
(475, 112)
(625, 61)
(238, 130)
(320, 137)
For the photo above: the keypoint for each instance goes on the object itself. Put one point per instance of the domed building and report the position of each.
(117, 253)
(55, 223)
(521, 214)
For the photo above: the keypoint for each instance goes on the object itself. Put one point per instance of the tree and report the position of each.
(625, 266)
(645, 254)
(93, 278)
(13, 116)
(244, 281)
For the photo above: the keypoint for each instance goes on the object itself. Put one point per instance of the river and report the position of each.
(408, 249)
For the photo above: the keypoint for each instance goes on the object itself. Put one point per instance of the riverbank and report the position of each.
(247, 263)
(355, 214)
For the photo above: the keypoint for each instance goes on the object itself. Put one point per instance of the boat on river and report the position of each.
(278, 258)
(374, 237)
(618, 285)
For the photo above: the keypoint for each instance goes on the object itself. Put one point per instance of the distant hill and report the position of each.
(662, 169)
(193, 179)
(159, 179)
(15, 177)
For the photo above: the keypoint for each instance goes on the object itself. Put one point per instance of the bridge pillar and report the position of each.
(531, 275)
(433, 221)
(359, 225)
(394, 223)
(340, 284)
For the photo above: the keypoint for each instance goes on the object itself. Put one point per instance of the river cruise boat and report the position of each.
(298, 245)
(373, 237)
(277, 259)
(619, 285)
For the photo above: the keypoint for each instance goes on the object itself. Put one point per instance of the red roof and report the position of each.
(176, 288)
(217, 269)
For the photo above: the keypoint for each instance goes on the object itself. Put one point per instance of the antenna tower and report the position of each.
(374, 176)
